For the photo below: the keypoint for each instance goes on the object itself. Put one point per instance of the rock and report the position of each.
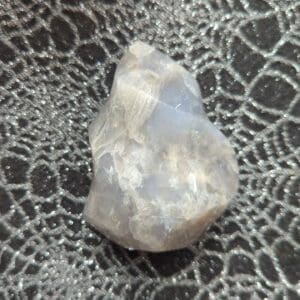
(162, 171)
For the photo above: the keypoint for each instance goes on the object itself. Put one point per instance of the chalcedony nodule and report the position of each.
(162, 171)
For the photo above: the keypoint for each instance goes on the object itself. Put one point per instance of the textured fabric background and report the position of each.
(57, 60)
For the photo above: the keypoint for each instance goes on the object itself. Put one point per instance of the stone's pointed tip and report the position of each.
(162, 171)
(140, 49)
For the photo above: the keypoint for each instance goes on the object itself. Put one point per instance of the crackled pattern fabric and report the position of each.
(57, 60)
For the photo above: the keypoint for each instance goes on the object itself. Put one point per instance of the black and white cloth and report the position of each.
(57, 61)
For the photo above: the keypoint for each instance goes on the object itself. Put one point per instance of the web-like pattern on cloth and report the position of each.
(57, 60)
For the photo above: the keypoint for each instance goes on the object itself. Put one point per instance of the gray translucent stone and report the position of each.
(162, 171)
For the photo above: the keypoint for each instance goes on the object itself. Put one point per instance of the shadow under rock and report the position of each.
(151, 265)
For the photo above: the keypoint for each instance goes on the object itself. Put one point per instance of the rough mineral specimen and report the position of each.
(162, 171)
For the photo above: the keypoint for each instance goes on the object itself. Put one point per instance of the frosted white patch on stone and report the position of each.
(162, 171)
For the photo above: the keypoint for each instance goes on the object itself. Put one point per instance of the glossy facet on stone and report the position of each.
(162, 171)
